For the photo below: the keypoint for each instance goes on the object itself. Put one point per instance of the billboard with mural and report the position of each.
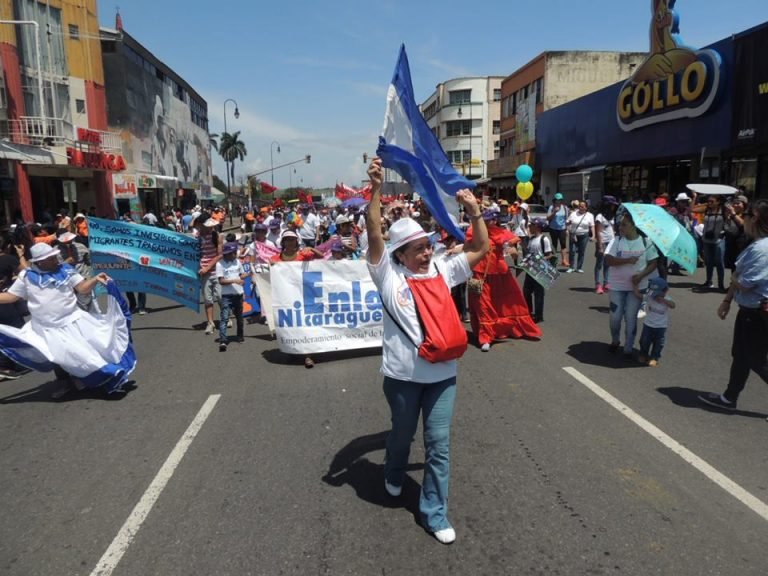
(154, 115)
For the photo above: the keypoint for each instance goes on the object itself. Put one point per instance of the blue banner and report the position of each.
(147, 259)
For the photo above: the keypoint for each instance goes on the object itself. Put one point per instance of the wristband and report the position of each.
(476, 216)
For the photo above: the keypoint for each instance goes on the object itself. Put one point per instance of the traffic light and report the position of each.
(365, 158)
(308, 158)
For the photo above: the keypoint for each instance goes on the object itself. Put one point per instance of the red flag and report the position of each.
(267, 189)
(304, 197)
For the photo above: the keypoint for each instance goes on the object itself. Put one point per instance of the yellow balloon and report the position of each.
(524, 190)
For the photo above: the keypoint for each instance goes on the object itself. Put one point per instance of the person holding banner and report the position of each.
(87, 350)
(420, 378)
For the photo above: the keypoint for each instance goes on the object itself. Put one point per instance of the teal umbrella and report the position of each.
(661, 228)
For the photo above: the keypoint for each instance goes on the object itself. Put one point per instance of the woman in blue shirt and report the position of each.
(749, 287)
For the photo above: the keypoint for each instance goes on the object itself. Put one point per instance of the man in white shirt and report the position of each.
(231, 277)
(308, 230)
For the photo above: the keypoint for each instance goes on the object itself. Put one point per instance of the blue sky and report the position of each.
(313, 75)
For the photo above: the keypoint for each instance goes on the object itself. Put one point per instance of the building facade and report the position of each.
(463, 113)
(55, 149)
(163, 127)
(549, 80)
(704, 121)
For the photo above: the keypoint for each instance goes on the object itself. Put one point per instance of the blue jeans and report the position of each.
(578, 243)
(230, 304)
(624, 305)
(714, 258)
(652, 342)
(600, 265)
(435, 403)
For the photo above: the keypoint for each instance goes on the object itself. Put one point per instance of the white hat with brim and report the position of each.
(682, 197)
(288, 234)
(403, 231)
(67, 237)
(42, 251)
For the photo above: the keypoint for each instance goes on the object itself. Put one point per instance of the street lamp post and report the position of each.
(226, 162)
(272, 162)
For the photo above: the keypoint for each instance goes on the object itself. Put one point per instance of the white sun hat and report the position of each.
(403, 231)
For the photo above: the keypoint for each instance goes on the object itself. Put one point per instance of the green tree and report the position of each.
(213, 142)
(219, 183)
(231, 148)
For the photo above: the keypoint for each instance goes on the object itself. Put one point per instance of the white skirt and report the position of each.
(94, 347)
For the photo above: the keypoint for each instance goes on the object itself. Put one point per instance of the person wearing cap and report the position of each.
(557, 216)
(274, 231)
(539, 246)
(210, 253)
(86, 350)
(337, 250)
(231, 276)
(345, 232)
(604, 233)
(412, 384)
(655, 322)
(749, 288)
(499, 310)
(290, 252)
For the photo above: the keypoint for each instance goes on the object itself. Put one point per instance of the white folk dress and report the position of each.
(94, 347)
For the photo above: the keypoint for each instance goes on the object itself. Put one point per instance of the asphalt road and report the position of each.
(284, 475)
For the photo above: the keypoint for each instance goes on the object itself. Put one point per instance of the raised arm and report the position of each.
(376, 247)
(479, 244)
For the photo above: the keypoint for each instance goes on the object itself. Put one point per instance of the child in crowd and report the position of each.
(657, 306)
(539, 246)
(231, 275)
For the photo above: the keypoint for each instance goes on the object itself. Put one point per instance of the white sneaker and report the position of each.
(392, 490)
(579, 271)
(446, 536)
(569, 271)
(209, 328)
(485, 347)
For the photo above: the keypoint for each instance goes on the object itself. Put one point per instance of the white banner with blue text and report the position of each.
(325, 306)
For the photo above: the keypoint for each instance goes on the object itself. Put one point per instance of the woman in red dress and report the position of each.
(499, 311)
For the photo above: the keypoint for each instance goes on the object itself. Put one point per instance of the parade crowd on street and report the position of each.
(48, 295)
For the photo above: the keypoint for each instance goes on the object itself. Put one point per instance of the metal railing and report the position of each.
(49, 132)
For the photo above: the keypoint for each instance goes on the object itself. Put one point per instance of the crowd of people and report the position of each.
(46, 276)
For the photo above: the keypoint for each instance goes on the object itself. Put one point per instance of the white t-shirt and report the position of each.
(400, 358)
(540, 245)
(53, 305)
(656, 313)
(580, 224)
(606, 229)
(230, 270)
(308, 230)
(620, 276)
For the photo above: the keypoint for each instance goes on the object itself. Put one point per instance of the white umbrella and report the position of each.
(713, 189)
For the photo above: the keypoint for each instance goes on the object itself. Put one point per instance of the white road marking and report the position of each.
(746, 498)
(122, 541)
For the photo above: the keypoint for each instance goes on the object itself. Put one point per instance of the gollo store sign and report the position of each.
(675, 81)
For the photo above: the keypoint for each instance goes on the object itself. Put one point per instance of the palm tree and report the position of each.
(231, 148)
(212, 141)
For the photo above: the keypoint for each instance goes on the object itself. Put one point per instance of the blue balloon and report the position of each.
(524, 173)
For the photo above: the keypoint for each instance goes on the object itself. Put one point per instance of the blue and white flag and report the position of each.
(409, 147)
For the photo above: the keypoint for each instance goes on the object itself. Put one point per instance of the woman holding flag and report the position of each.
(419, 373)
